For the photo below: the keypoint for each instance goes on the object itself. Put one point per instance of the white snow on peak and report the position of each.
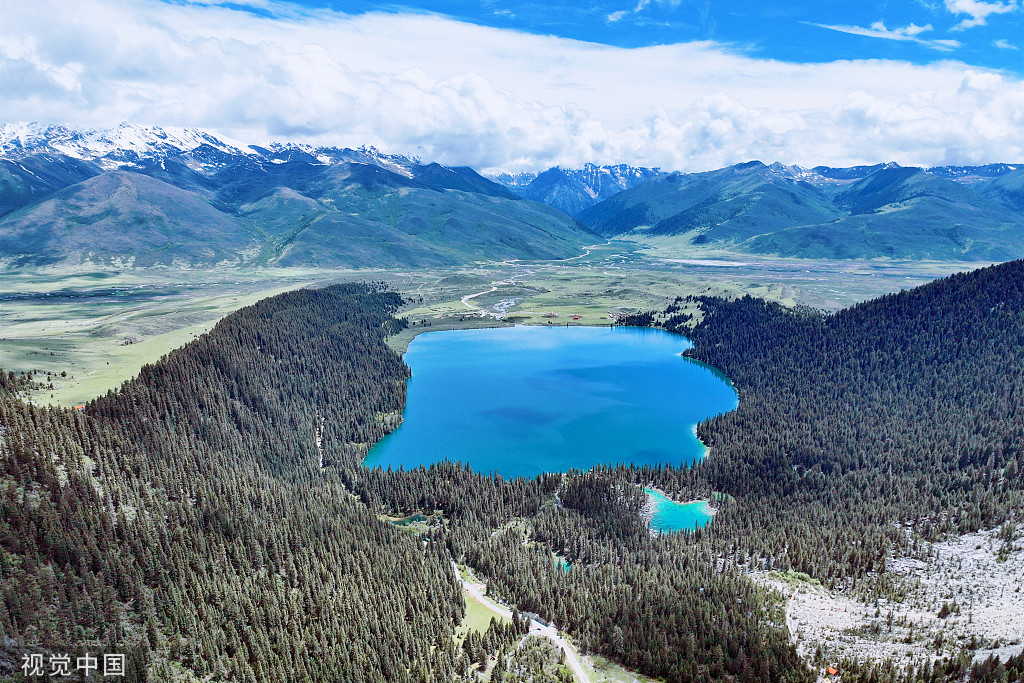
(120, 143)
(794, 172)
(128, 143)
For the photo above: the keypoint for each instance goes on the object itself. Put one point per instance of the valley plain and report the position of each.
(101, 327)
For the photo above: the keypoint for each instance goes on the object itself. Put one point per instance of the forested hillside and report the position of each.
(185, 518)
(213, 520)
(657, 604)
(899, 418)
(200, 519)
(862, 434)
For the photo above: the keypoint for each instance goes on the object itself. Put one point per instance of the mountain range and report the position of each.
(144, 196)
(876, 211)
(572, 191)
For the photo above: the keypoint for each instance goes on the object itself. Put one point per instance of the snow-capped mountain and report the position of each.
(130, 145)
(826, 177)
(604, 181)
(283, 152)
(972, 174)
(110, 148)
(137, 196)
(513, 181)
(575, 190)
(166, 196)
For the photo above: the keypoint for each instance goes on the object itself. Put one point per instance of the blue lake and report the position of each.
(668, 516)
(520, 401)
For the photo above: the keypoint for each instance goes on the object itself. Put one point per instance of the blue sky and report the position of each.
(795, 31)
(682, 85)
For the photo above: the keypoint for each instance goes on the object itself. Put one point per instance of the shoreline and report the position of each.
(703, 445)
(650, 506)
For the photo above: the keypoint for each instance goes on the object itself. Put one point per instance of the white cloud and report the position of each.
(641, 5)
(909, 33)
(489, 98)
(978, 11)
(1005, 45)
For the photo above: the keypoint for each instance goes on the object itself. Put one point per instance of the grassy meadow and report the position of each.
(100, 328)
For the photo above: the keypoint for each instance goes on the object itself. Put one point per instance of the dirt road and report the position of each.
(572, 658)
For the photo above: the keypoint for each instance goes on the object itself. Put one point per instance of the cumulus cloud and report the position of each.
(978, 11)
(489, 98)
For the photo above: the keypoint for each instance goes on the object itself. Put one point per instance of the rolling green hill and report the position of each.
(727, 205)
(29, 180)
(354, 214)
(463, 178)
(126, 218)
(905, 213)
(880, 211)
(245, 211)
(1006, 190)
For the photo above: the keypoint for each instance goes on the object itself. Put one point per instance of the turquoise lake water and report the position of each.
(519, 401)
(669, 516)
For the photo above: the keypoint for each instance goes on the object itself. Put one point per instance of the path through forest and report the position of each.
(572, 658)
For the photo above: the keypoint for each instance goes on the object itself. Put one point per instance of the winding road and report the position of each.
(514, 279)
(494, 287)
(536, 628)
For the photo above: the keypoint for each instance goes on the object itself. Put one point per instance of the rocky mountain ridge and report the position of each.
(138, 196)
(300, 204)
(880, 211)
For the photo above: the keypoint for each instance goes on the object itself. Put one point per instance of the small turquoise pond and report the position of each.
(668, 516)
(519, 401)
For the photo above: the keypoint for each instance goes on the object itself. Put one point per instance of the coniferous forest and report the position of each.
(212, 517)
(897, 420)
(186, 517)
